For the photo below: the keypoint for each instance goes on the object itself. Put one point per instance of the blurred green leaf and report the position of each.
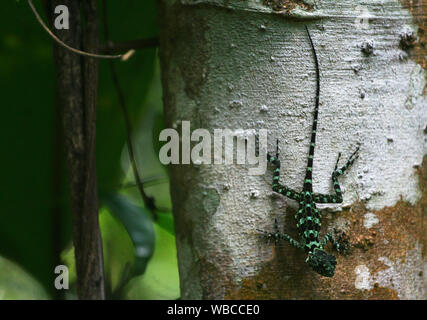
(161, 279)
(118, 251)
(165, 221)
(122, 261)
(139, 226)
(17, 284)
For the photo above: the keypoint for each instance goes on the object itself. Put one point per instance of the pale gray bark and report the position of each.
(241, 64)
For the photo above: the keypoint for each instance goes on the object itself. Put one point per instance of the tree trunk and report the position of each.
(78, 94)
(248, 64)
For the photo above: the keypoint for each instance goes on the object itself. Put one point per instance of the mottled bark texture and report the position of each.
(77, 79)
(248, 64)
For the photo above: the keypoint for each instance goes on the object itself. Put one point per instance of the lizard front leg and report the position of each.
(337, 197)
(277, 187)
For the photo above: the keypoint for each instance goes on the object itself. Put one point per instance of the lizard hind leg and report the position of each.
(339, 241)
(277, 236)
(337, 197)
(349, 163)
(337, 188)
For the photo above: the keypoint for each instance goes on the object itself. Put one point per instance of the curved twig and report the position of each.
(123, 57)
(148, 200)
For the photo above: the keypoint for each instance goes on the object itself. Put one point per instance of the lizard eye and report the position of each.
(322, 262)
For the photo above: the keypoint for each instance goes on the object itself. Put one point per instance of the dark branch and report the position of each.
(111, 47)
(77, 87)
(148, 201)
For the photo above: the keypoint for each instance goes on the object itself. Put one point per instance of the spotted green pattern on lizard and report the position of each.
(308, 216)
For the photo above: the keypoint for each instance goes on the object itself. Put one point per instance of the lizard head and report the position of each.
(322, 262)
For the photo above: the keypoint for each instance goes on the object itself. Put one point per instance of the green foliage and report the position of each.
(165, 221)
(34, 208)
(160, 281)
(16, 283)
(137, 222)
(131, 20)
